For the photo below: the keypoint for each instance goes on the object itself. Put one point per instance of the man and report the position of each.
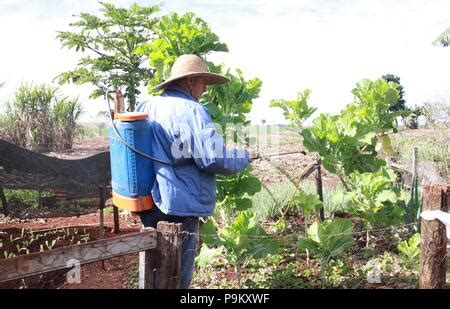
(184, 135)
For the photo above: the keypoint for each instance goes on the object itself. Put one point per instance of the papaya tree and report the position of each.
(108, 44)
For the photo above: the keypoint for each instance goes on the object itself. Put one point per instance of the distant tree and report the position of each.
(436, 112)
(412, 120)
(443, 39)
(400, 106)
(109, 44)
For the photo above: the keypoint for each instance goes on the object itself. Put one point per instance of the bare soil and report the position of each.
(112, 274)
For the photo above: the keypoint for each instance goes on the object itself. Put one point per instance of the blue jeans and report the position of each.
(189, 240)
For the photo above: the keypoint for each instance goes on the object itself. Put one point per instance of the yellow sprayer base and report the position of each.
(135, 204)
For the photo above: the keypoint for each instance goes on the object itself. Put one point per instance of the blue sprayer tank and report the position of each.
(132, 174)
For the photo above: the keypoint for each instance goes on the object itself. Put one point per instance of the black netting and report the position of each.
(35, 185)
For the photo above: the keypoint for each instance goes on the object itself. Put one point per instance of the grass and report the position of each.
(83, 132)
(434, 149)
(25, 203)
(269, 206)
(27, 197)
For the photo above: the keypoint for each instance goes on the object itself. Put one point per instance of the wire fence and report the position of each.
(389, 259)
(159, 251)
(372, 261)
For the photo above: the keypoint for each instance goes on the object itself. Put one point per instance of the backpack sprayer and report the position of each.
(132, 174)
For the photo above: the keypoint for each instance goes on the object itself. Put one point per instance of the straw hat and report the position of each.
(192, 66)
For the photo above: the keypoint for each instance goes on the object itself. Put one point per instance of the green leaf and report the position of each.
(297, 111)
(387, 195)
(213, 110)
(387, 146)
(206, 255)
(343, 198)
(280, 225)
(208, 233)
(367, 138)
(245, 238)
(243, 204)
(313, 232)
(308, 244)
(328, 239)
(409, 251)
(308, 202)
(249, 185)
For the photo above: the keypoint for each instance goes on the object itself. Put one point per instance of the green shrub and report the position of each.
(328, 239)
(267, 206)
(409, 251)
(38, 119)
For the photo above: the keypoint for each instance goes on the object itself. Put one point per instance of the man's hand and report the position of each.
(253, 155)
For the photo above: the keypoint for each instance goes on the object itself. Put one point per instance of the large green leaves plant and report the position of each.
(409, 251)
(178, 35)
(351, 140)
(307, 203)
(229, 105)
(373, 198)
(233, 193)
(242, 239)
(328, 239)
(296, 111)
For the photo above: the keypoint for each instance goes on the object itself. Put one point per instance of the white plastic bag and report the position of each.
(438, 215)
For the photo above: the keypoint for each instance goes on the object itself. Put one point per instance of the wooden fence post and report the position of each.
(116, 219)
(415, 158)
(319, 188)
(145, 270)
(433, 258)
(101, 206)
(169, 244)
(149, 262)
(4, 201)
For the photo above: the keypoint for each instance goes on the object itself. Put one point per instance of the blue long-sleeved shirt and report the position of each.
(183, 134)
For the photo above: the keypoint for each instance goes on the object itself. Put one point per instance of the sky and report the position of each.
(291, 45)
